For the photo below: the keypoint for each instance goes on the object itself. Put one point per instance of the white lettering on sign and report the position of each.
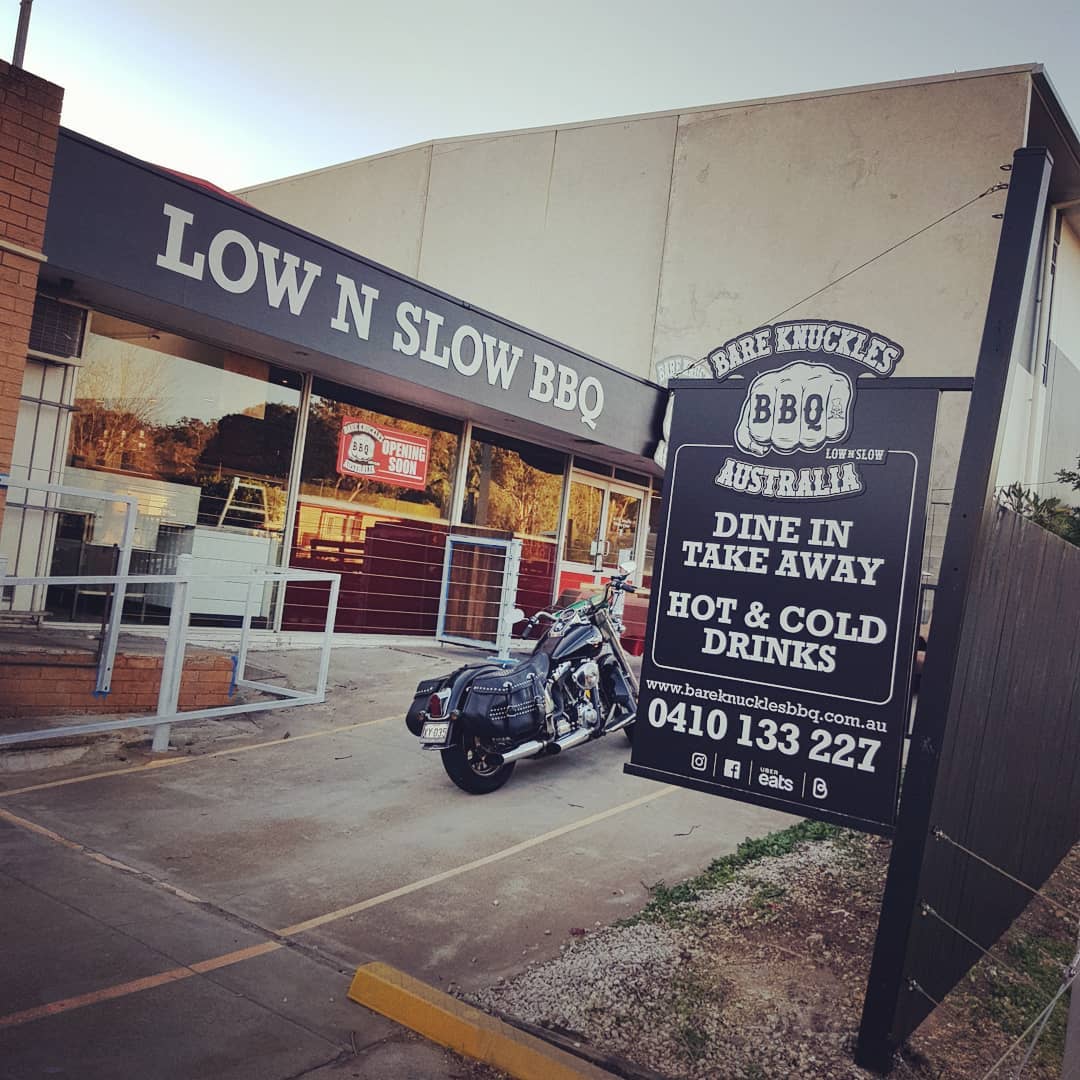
(877, 353)
(218, 246)
(407, 339)
(281, 282)
(280, 285)
(234, 262)
(502, 361)
(558, 384)
(173, 259)
(349, 304)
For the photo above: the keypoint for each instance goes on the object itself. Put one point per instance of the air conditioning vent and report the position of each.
(57, 329)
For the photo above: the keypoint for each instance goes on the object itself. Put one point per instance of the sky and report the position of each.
(241, 92)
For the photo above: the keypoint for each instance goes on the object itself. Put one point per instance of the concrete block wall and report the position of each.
(29, 124)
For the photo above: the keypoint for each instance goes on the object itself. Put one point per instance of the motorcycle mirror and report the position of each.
(516, 615)
(628, 567)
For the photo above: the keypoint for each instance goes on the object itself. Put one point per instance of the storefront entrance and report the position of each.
(605, 526)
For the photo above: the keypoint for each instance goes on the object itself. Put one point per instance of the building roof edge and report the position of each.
(1031, 69)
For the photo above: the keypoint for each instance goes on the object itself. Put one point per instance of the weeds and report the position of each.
(1013, 1002)
(670, 904)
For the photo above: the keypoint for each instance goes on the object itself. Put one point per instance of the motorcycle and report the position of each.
(575, 687)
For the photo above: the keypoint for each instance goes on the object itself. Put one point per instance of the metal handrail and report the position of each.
(127, 541)
(173, 661)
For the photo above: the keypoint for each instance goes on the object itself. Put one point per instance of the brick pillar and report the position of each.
(29, 124)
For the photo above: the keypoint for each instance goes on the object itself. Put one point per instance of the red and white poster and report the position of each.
(383, 454)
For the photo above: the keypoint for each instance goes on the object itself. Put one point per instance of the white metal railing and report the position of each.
(490, 602)
(172, 665)
(121, 579)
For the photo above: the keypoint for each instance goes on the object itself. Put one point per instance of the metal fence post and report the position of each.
(245, 633)
(116, 602)
(172, 663)
(881, 1032)
(328, 637)
(511, 568)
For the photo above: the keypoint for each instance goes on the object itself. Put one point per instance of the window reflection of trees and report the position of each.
(507, 491)
(239, 460)
(320, 476)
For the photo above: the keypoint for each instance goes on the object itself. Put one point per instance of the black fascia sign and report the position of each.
(782, 617)
(167, 242)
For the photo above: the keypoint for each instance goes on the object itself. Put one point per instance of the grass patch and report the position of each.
(668, 903)
(1014, 1000)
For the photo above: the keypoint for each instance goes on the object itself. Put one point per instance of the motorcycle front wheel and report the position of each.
(470, 767)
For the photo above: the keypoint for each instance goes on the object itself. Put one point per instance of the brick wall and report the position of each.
(29, 124)
(62, 684)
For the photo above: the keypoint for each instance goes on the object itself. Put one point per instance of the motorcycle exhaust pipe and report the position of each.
(574, 738)
(620, 724)
(524, 750)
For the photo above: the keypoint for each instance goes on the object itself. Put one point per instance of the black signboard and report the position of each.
(170, 246)
(779, 648)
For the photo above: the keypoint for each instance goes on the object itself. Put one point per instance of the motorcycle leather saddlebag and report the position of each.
(421, 697)
(506, 704)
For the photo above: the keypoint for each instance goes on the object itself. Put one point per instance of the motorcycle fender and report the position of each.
(414, 721)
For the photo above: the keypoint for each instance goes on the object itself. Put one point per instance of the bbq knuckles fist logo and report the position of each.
(798, 407)
(798, 404)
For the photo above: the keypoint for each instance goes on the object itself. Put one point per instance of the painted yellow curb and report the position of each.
(445, 1020)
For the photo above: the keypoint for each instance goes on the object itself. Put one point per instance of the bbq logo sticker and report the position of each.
(800, 407)
(797, 404)
(384, 454)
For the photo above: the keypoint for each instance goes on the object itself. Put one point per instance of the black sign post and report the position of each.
(784, 598)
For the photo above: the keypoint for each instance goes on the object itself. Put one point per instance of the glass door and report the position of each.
(603, 529)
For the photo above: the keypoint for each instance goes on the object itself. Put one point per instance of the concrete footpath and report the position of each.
(202, 913)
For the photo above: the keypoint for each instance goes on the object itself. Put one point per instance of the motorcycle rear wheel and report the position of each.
(469, 767)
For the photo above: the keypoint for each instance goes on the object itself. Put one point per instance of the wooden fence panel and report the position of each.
(1008, 786)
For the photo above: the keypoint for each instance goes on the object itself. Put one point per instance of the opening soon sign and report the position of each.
(782, 620)
(383, 454)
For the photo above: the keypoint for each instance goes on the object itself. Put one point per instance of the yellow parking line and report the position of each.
(136, 986)
(166, 763)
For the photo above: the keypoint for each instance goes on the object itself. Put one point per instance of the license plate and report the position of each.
(435, 732)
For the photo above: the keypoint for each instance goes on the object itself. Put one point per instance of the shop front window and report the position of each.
(515, 489)
(203, 438)
(513, 486)
(376, 487)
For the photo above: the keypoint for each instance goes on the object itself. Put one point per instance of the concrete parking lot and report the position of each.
(200, 914)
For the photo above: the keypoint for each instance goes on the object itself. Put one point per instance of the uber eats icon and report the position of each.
(784, 596)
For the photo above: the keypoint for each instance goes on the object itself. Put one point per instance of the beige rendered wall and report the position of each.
(772, 202)
(374, 207)
(644, 239)
(561, 230)
(663, 236)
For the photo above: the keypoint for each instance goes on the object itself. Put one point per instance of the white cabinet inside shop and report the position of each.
(220, 552)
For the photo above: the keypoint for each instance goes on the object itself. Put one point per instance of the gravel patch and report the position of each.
(763, 977)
